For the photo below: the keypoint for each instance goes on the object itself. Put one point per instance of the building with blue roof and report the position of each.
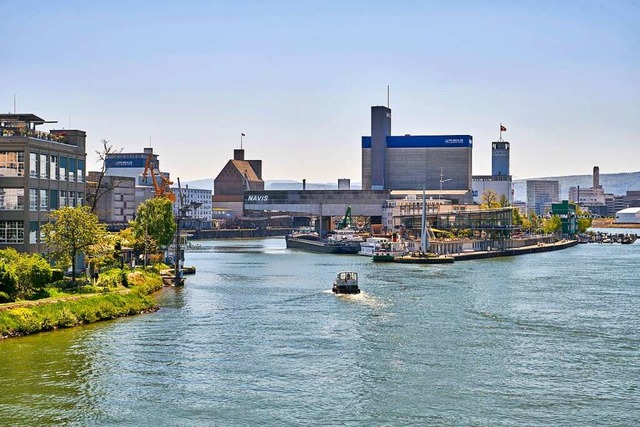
(414, 162)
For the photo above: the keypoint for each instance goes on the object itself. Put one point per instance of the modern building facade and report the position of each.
(39, 172)
(198, 217)
(417, 162)
(541, 194)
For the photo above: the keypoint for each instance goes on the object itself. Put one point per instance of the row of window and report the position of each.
(39, 200)
(43, 166)
(13, 232)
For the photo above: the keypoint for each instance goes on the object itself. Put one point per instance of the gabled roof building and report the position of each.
(238, 175)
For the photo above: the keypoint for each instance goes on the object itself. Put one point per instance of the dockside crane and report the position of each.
(162, 189)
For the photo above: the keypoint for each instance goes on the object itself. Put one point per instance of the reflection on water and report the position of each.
(257, 337)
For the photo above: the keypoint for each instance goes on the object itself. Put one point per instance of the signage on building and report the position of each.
(257, 198)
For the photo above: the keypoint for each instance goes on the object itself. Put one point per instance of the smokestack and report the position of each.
(304, 184)
(238, 154)
(596, 177)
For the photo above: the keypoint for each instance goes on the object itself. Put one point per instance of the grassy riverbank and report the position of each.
(35, 316)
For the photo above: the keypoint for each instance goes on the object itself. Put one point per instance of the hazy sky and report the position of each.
(299, 78)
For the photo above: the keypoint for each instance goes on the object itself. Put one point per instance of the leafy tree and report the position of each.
(72, 231)
(489, 199)
(155, 220)
(503, 201)
(7, 283)
(516, 217)
(583, 222)
(552, 225)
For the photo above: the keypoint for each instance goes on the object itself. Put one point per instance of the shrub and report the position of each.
(4, 297)
(39, 293)
(57, 274)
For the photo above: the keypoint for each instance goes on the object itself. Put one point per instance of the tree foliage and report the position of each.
(22, 273)
(72, 230)
(489, 199)
(155, 220)
(552, 225)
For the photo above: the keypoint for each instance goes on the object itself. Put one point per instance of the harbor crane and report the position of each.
(162, 189)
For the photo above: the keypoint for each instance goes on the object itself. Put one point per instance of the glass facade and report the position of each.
(80, 170)
(63, 198)
(11, 232)
(11, 163)
(11, 198)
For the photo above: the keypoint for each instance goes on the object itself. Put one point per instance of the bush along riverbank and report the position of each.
(28, 317)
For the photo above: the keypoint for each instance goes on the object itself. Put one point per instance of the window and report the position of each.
(11, 198)
(11, 163)
(44, 163)
(53, 167)
(72, 198)
(80, 170)
(11, 232)
(44, 200)
(33, 232)
(72, 169)
(63, 168)
(63, 198)
(33, 165)
(33, 199)
(53, 199)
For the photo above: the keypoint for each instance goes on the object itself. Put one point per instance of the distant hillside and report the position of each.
(615, 183)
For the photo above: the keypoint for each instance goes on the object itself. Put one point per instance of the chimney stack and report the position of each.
(596, 177)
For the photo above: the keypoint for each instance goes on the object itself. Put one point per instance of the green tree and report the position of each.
(489, 199)
(552, 225)
(503, 201)
(72, 231)
(28, 272)
(583, 222)
(154, 219)
(516, 217)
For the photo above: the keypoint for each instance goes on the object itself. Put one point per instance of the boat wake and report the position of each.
(361, 298)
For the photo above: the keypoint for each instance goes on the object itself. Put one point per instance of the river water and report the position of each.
(257, 338)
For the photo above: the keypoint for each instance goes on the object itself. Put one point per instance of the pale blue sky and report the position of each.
(299, 78)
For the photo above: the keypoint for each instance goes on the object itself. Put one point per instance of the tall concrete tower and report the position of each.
(380, 130)
(500, 158)
(596, 177)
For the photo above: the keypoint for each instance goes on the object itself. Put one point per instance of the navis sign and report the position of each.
(256, 198)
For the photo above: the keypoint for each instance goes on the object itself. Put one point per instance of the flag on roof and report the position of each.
(503, 129)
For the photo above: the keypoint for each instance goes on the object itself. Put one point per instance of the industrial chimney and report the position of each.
(596, 177)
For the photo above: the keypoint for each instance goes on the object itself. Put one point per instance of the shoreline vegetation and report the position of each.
(31, 316)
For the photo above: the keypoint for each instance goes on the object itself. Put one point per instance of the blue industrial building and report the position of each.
(414, 162)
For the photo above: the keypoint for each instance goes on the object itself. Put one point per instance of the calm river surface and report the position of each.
(257, 338)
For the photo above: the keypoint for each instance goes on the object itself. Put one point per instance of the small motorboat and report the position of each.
(346, 282)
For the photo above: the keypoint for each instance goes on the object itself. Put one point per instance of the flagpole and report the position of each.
(500, 132)
(241, 135)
